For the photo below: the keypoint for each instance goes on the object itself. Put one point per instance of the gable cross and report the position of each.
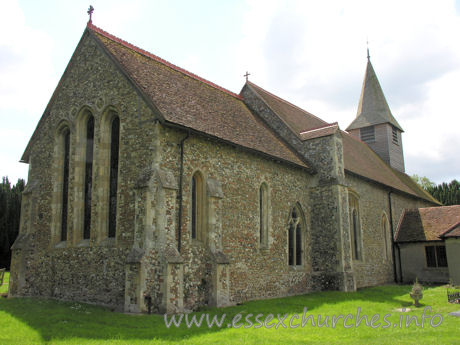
(90, 12)
(247, 75)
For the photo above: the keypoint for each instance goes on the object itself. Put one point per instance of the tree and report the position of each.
(447, 193)
(423, 182)
(10, 214)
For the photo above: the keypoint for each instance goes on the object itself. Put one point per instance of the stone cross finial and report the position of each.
(247, 75)
(90, 12)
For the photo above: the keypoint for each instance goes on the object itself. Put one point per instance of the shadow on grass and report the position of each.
(64, 320)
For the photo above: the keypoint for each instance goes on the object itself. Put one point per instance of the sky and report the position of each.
(311, 53)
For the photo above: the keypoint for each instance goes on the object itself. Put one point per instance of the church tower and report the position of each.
(375, 125)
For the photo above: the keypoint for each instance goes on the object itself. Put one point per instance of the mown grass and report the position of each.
(42, 321)
(4, 287)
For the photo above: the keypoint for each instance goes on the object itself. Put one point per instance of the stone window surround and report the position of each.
(58, 167)
(113, 175)
(103, 168)
(101, 154)
(386, 236)
(303, 228)
(357, 251)
(264, 215)
(201, 209)
(79, 175)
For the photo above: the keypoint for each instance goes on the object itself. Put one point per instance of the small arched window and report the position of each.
(197, 207)
(355, 226)
(113, 178)
(263, 215)
(65, 182)
(296, 228)
(385, 233)
(88, 176)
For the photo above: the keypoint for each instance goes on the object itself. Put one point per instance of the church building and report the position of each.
(150, 187)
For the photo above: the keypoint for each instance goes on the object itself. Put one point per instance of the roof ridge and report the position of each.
(413, 185)
(390, 169)
(321, 127)
(287, 102)
(160, 60)
(450, 206)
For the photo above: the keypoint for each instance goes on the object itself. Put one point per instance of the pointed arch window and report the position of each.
(355, 225)
(197, 206)
(263, 215)
(295, 236)
(385, 233)
(65, 183)
(113, 178)
(88, 176)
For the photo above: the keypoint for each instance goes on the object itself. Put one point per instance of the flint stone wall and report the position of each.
(375, 268)
(93, 271)
(229, 265)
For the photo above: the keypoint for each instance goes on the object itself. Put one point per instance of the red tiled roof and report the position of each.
(452, 232)
(427, 224)
(297, 119)
(358, 156)
(189, 101)
(408, 181)
(158, 59)
(185, 99)
(361, 160)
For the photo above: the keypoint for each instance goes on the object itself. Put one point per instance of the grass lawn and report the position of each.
(41, 321)
(4, 287)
